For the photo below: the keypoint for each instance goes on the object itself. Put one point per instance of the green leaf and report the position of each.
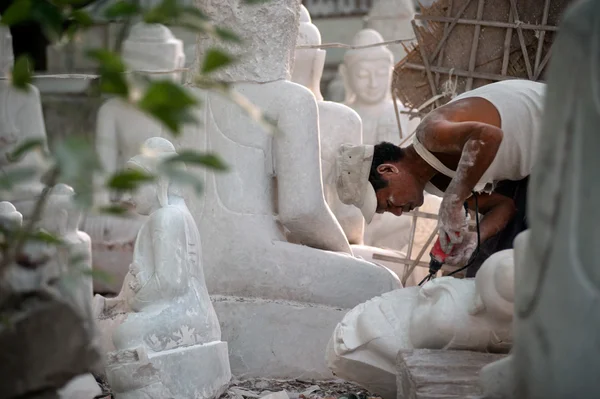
(77, 160)
(24, 148)
(98, 274)
(116, 210)
(227, 35)
(19, 11)
(216, 59)
(44, 237)
(51, 18)
(21, 73)
(121, 9)
(128, 180)
(79, 20)
(163, 13)
(9, 178)
(211, 161)
(170, 103)
(112, 72)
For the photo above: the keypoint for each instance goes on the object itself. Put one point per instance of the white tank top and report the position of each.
(520, 104)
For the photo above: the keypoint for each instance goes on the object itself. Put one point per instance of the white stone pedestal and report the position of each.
(177, 373)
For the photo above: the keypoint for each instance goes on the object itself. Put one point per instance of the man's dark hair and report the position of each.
(384, 152)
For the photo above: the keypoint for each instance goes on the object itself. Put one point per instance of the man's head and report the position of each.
(377, 179)
(396, 188)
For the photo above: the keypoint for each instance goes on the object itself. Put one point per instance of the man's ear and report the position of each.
(387, 169)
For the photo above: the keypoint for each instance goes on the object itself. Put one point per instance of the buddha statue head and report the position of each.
(308, 63)
(269, 31)
(7, 57)
(465, 314)
(367, 72)
(152, 47)
(156, 194)
(61, 215)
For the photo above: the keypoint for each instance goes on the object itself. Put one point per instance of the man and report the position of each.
(483, 141)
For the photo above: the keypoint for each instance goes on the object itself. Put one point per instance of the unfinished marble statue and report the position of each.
(272, 247)
(367, 74)
(21, 119)
(164, 330)
(338, 124)
(446, 313)
(120, 130)
(556, 352)
(392, 19)
(64, 293)
(73, 264)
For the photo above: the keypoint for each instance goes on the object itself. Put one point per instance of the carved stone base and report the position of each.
(433, 374)
(199, 371)
(276, 339)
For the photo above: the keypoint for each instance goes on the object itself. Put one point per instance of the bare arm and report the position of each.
(497, 211)
(477, 143)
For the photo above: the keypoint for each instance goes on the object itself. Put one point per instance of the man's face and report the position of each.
(403, 192)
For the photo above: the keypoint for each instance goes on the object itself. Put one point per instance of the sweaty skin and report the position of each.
(465, 136)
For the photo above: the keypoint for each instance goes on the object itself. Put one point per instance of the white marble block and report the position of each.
(162, 328)
(557, 280)
(120, 130)
(277, 262)
(446, 313)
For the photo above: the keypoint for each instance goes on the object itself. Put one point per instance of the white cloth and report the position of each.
(520, 105)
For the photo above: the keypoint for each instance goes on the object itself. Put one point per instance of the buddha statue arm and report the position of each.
(106, 147)
(30, 120)
(166, 278)
(302, 207)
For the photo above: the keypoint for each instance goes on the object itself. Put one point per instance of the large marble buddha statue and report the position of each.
(163, 319)
(120, 130)
(21, 119)
(446, 313)
(367, 74)
(338, 124)
(277, 262)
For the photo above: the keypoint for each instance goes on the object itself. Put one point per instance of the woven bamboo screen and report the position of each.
(464, 44)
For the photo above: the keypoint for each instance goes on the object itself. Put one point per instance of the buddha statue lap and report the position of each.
(163, 319)
(272, 247)
(119, 131)
(446, 313)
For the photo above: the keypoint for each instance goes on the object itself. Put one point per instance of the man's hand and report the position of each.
(452, 223)
(461, 252)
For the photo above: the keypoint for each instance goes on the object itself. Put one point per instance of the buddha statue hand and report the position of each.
(136, 283)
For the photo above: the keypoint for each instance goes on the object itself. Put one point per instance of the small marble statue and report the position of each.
(338, 124)
(63, 273)
(21, 119)
(446, 313)
(163, 326)
(367, 74)
(72, 263)
(557, 279)
(272, 247)
(120, 130)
